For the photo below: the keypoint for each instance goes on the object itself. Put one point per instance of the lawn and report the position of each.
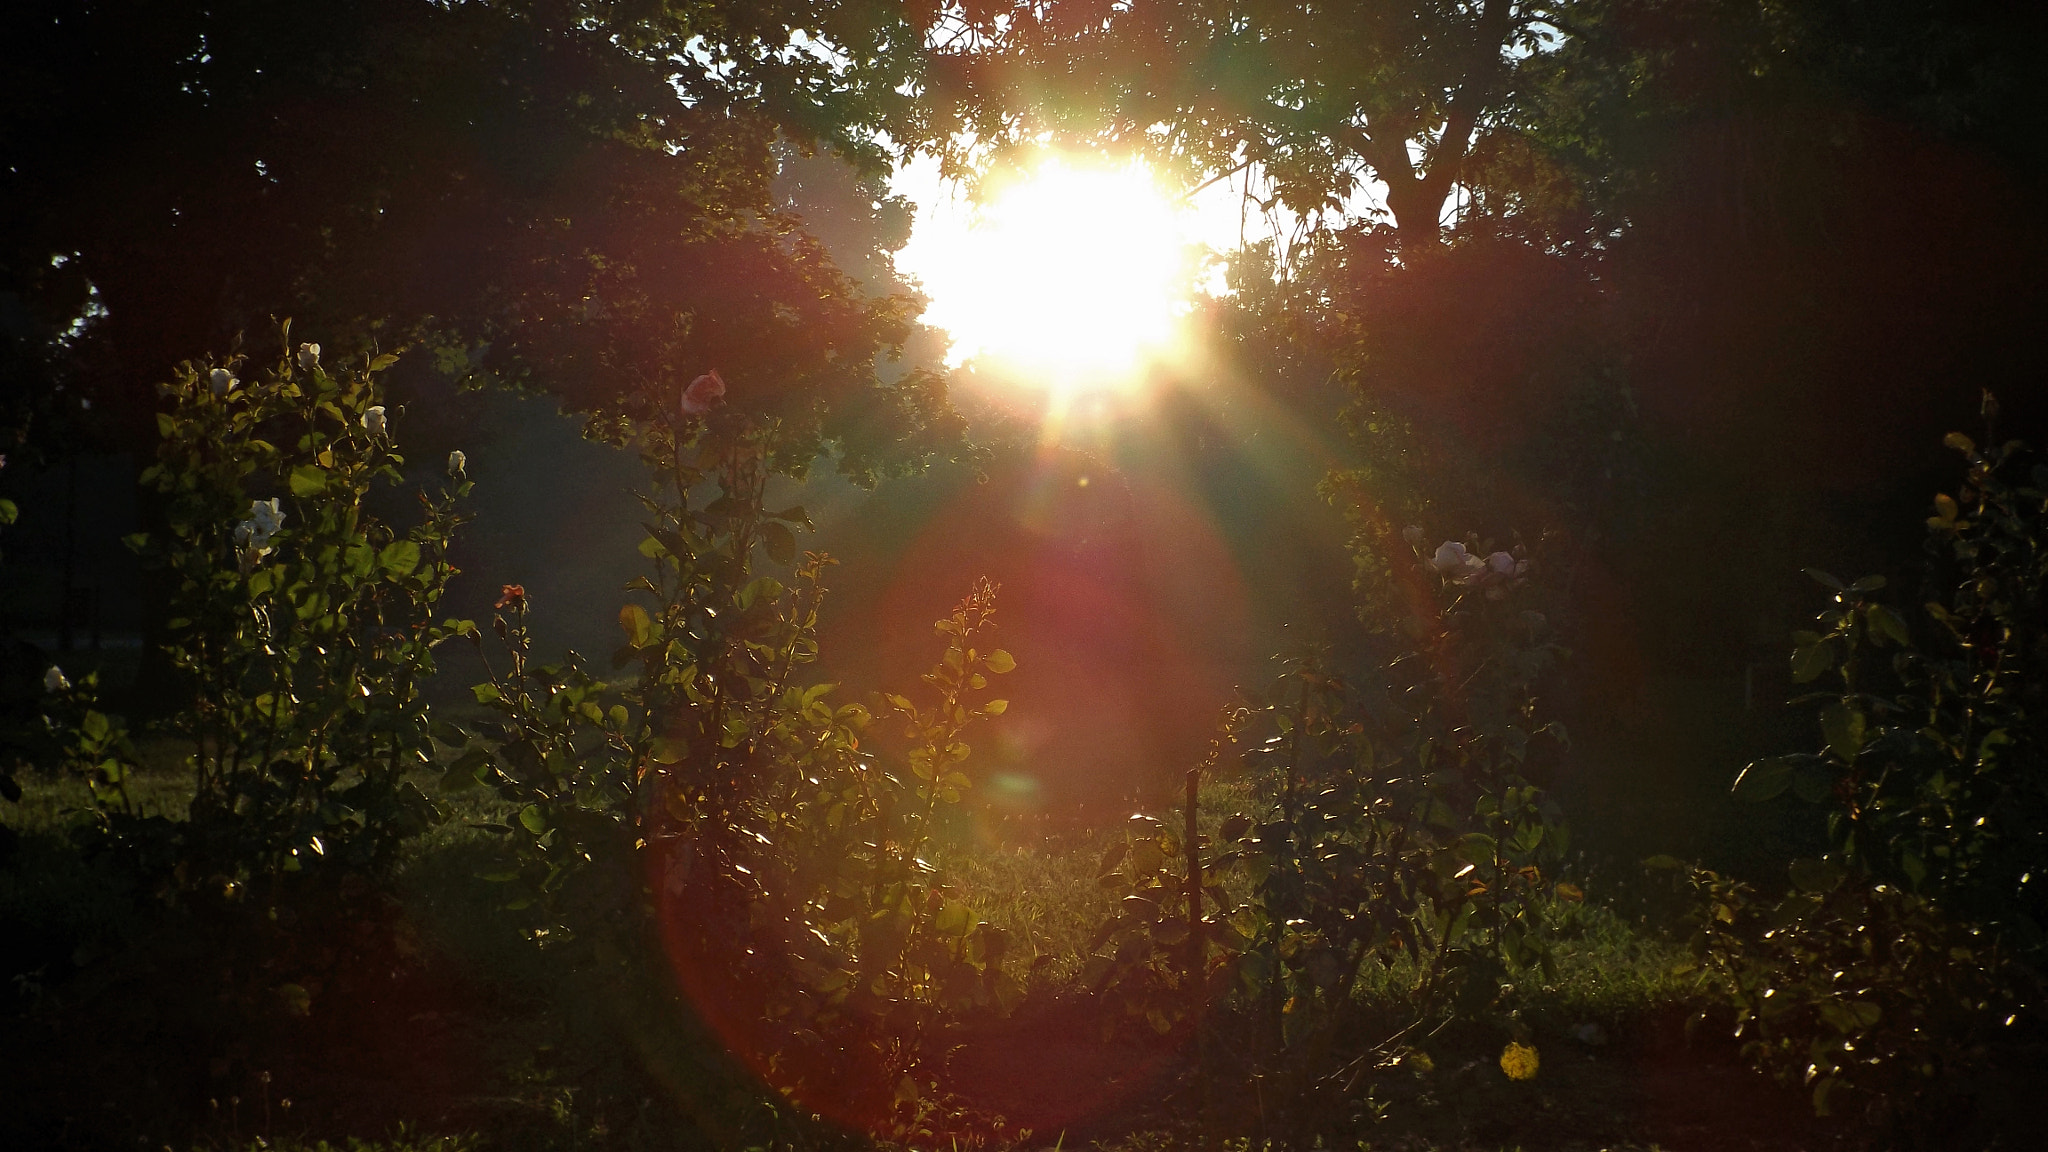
(447, 1030)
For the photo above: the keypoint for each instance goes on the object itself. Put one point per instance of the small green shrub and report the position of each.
(1392, 824)
(1906, 949)
(773, 840)
(302, 628)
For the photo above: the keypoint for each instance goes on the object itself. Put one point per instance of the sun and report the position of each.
(1071, 276)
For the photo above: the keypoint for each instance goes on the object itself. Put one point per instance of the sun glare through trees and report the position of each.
(1015, 575)
(1068, 275)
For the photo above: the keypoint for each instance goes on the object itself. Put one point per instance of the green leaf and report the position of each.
(9, 513)
(1959, 442)
(765, 590)
(795, 515)
(1809, 661)
(1763, 780)
(382, 362)
(1147, 857)
(1000, 661)
(995, 708)
(1843, 726)
(308, 480)
(1888, 624)
(954, 918)
(455, 779)
(1111, 857)
(780, 542)
(1476, 848)
(400, 557)
(634, 622)
(1812, 781)
(486, 693)
(358, 560)
(1821, 1091)
(1825, 579)
(296, 1000)
(532, 820)
(1987, 748)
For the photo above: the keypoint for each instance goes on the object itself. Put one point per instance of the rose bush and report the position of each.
(303, 626)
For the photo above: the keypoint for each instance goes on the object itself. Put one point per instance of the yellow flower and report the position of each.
(1518, 1061)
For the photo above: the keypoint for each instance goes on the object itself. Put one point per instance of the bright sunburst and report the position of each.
(1071, 276)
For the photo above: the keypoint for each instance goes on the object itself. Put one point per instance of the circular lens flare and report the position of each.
(1070, 277)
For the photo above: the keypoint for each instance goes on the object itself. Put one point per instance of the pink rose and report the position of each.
(704, 393)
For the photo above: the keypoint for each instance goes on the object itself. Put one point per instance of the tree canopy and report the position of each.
(1320, 99)
(575, 196)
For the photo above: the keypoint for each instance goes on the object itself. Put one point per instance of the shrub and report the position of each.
(1393, 824)
(715, 797)
(302, 628)
(1903, 951)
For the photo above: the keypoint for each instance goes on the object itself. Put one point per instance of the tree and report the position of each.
(574, 196)
(1317, 98)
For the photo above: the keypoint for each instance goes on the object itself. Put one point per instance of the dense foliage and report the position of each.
(718, 799)
(303, 633)
(1898, 955)
(577, 197)
(1395, 827)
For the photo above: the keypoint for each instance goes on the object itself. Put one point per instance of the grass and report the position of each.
(161, 787)
(486, 1036)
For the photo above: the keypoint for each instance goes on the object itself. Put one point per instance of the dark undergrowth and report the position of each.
(437, 1026)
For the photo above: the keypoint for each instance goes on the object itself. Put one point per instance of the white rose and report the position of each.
(309, 356)
(54, 681)
(457, 462)
(1500, 565)
(1412, 534)
(251, 546)
(267, 515)
(373, 419)
(1451, 558)
(221, 381)
(253, 535)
